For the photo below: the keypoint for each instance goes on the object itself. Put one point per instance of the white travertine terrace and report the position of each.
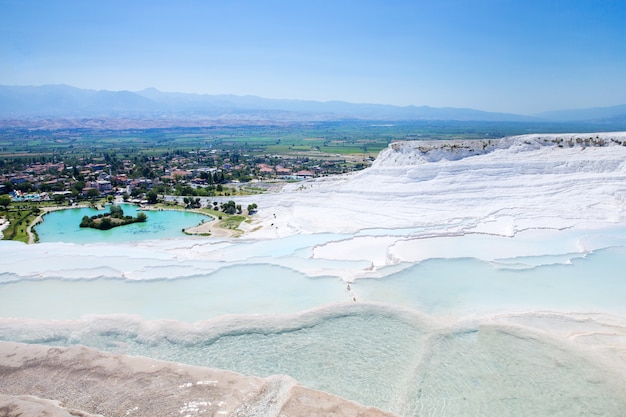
(80, 379)
(497, 186)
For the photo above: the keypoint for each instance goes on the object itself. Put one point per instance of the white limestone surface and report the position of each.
(492, 186)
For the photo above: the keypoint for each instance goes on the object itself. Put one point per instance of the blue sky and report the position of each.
(520, 56)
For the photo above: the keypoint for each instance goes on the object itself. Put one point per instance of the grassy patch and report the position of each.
(231, 222)
(19, 219)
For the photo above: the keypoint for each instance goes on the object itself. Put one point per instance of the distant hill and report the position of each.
(66, 101)
(611, 114)
(63, 101)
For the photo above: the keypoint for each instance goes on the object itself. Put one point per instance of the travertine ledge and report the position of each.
(80, 381)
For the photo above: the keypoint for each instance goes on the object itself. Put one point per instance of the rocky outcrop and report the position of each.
(414, 152)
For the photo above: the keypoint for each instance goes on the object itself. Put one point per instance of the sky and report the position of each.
(510, 56)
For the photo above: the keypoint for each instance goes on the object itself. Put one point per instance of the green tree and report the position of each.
(58, 198)
(106, 223)
(5, 201)
(152, 197)
(25, 187)
(137, 191)
(116, 212)
(230, 207)
(8, 185)
(141, 217)
(93, 193)
(78, 186)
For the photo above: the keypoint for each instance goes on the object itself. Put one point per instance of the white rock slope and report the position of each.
(496, 186)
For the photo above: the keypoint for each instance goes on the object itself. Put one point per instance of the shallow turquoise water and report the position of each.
(594, 283)
(379, 357)
(198, 289)
(64, 226)
(232, 290)
(230, 304)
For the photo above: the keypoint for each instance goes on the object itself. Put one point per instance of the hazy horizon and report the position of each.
(151, 88)
(497, 56)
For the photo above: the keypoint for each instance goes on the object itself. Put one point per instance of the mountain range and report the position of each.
(70, 102)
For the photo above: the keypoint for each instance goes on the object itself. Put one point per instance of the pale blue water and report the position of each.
(438, 286)
(182, 290)
(64, 226)
(238, 305)
(233, 290)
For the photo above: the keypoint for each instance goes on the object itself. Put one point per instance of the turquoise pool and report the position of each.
(63, 226)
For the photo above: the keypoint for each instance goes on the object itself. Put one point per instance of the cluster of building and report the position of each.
(103, 176)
